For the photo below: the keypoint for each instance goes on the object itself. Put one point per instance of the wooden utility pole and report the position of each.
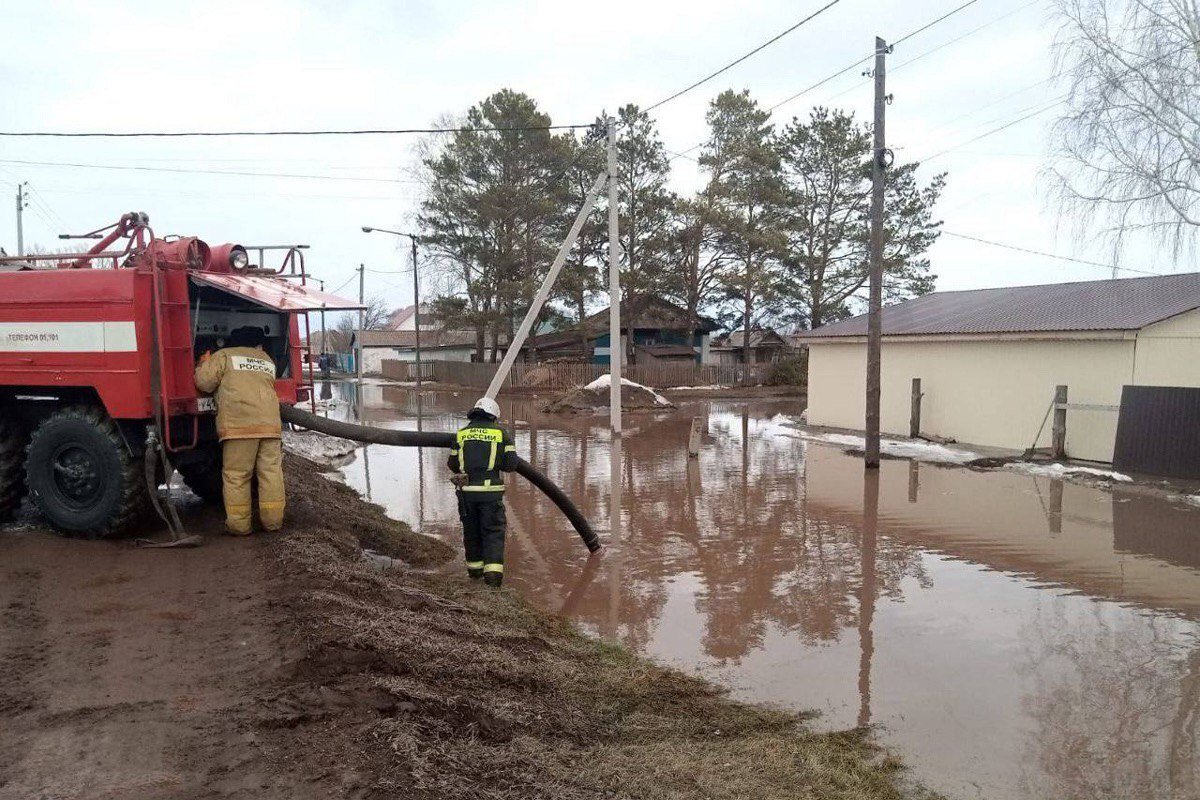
(875, 302)
(914, 414)
(1058, 433)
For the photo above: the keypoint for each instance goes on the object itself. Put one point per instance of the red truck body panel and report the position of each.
(93, 328)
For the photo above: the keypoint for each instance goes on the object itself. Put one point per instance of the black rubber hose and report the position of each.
(396, 438)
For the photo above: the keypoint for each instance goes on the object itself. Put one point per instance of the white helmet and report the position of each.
(488, 406)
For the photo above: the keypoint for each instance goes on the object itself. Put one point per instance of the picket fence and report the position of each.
(659, 375)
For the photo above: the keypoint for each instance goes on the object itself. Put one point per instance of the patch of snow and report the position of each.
(605, 381)
(1066, 471)
(901, 448)
(323, 405)
(318, 446)
(710, 388)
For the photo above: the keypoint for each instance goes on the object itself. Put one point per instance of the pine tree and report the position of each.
(646, 206)
(827, 169)
(747, 194)
(493, 209)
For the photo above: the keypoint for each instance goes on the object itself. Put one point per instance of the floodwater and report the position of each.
(1009, 636)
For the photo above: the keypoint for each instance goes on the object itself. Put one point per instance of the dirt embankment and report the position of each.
(290, 667)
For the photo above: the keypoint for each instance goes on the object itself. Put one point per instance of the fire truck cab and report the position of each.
(97, 355)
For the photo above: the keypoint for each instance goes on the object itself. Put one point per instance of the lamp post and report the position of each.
(413, 239)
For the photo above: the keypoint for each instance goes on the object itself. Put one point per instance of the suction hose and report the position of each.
(364, 433)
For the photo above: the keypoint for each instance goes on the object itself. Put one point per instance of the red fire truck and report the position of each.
(97, 353)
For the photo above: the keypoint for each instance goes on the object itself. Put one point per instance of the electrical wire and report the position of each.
(188, 171)
(739, 60)
(929, 25)
(842, 71)
(344, 285)
(995, 130)
(1073, 260)
(897, 67)
(356, 132)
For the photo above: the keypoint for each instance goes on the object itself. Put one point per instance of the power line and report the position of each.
(356, 132)
(937, 21)
(995, 130)
(344, 285)
(942, 46)
(1048, 255)
(844, 70)
(190, 171)
(737, 61)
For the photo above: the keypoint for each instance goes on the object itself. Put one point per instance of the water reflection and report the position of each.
(1011, 636)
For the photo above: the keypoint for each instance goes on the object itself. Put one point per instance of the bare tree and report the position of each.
(1128, 146)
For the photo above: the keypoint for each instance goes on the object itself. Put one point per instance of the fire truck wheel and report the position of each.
(82, 475)
(203, 476)
(13, 438)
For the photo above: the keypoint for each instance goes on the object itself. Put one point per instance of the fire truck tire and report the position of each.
(82, 475)
(13, 438)
(203, 477)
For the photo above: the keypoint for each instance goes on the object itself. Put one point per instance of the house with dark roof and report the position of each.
(989, 360)
(766, 347)
(661, 331)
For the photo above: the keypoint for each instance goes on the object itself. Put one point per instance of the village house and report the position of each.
(989, 363)
(661, 331)
(766, 347)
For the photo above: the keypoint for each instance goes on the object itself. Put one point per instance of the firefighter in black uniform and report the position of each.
(482, 451)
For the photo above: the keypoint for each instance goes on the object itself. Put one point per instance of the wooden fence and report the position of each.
(661, 375)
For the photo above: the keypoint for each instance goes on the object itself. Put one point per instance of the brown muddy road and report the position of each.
(120, 669)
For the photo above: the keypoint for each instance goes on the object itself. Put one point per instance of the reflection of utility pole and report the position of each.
(614, 536)
(22, 204)
(867, 593)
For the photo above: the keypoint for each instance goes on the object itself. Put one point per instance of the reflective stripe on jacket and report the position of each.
(483, 450)
(243, 380)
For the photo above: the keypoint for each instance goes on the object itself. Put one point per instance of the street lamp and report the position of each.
(414, 239)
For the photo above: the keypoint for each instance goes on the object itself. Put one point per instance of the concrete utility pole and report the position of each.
(362, 323)
(22, 204)
(414, 239)
(874, 323)
(615, 351)
(543, 292)
(416, 314)
(324, 335)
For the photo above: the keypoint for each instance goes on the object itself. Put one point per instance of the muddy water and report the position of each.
(1009, 636)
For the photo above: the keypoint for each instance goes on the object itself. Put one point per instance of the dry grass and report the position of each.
(432, 687)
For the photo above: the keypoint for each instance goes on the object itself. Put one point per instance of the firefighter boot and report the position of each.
(474, 570)
(493, 575)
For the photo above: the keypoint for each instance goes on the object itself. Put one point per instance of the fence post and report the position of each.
(914, 417)
(1058, 440)
(694, 439)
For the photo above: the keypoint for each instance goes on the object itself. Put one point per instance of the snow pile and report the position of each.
(1067, 471)
(898, 448)
(594, 397)
(605, 381)
(319, 447)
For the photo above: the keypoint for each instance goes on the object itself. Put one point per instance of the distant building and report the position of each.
(662, 331)
(766, 347)
(436, 345)
(989, 361)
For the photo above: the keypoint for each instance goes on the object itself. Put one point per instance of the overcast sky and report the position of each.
(76, 66)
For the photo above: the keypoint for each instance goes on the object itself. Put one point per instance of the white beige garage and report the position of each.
(989, 360)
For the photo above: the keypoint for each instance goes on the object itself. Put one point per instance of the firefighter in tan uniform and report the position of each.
(242, 377)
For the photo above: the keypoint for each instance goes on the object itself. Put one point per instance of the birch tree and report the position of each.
(1128, 145)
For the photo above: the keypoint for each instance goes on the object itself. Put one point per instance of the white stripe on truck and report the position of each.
(68, 337)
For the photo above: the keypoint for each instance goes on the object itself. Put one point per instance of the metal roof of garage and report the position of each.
(1111, 305)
